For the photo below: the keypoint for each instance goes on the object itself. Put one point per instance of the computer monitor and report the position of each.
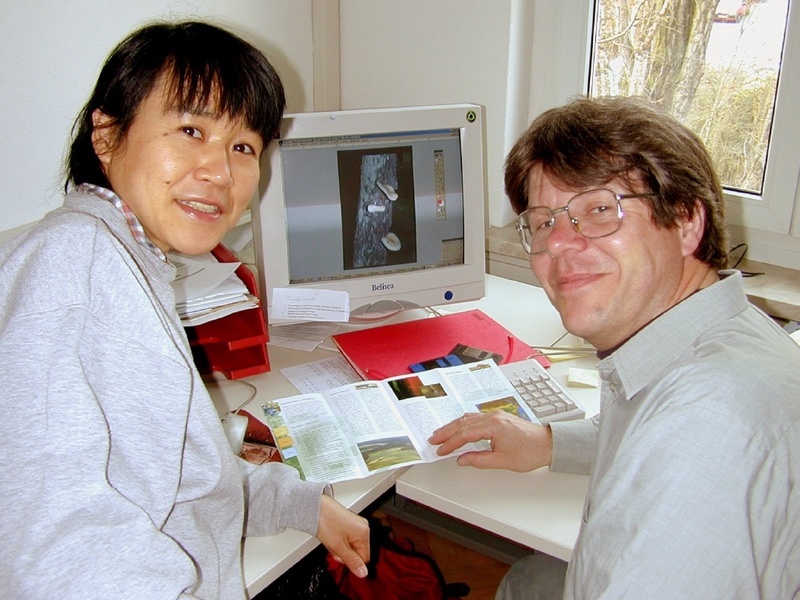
(384, 204)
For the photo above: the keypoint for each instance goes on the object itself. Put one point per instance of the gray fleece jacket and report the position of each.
(117, 479)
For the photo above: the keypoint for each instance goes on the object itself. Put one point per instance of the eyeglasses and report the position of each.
(593, 214)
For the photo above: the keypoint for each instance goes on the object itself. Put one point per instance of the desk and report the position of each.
(541, 510)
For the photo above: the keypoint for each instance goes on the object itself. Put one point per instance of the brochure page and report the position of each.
(358, 429)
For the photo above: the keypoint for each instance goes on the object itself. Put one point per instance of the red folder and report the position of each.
(388, 350)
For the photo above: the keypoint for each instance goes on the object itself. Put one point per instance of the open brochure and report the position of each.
(358, 429)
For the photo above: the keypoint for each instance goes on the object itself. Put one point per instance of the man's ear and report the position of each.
(103, 136)
(692, 229)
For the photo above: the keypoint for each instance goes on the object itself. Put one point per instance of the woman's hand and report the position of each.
(345, 535)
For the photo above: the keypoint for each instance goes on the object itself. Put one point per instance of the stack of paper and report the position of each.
(206, 289)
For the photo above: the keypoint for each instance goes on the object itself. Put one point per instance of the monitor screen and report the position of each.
(386, 205)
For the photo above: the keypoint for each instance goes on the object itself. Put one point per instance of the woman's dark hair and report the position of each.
(202, 66)
(593, 142)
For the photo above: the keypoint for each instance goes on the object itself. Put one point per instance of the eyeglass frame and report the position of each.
(554, 212)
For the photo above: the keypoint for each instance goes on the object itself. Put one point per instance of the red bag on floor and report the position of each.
(396, 572)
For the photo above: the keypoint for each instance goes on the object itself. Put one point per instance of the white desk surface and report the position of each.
(541, 510)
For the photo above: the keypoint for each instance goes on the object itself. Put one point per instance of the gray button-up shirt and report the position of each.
(694, 458)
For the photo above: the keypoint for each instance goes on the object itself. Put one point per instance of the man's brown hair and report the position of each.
(592, 142)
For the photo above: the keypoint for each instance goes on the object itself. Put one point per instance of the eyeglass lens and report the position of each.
(594, 214)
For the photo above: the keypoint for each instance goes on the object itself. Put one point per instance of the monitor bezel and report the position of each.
(426, 287)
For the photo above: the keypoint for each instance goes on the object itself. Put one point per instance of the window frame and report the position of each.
(562, 44)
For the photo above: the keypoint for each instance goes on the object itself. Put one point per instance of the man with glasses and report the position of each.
(694, 456)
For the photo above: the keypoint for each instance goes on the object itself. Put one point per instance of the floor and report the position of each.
(458, 564)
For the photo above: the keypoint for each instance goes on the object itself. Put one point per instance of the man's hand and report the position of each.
(517, 445)
(344, 534)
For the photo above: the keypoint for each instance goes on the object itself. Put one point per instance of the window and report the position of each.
(561, 42)
(716, 66)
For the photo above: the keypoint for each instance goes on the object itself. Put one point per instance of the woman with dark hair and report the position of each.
(119, 479)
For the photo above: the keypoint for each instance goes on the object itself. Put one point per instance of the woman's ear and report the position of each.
(103, 136)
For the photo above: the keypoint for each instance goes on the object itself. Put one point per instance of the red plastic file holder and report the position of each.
(235, 345)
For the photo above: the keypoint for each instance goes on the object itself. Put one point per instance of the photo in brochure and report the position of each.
(358, 429)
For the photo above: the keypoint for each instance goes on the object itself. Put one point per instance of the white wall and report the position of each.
(51, 52)
(514, 57)
(419, 52)
(390, 54)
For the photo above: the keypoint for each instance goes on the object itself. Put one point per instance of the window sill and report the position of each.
(776, 292)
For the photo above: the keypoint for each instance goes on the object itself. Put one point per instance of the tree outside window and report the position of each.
(713, 64)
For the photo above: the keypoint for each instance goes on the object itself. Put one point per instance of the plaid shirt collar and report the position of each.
(133, 223)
